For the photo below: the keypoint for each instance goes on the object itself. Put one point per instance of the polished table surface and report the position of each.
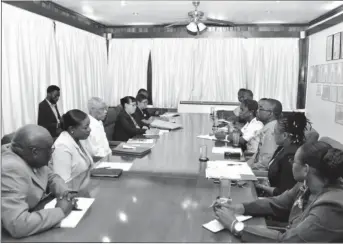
(163, 198)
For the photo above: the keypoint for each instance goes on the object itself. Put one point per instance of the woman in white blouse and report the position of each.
(70, 160)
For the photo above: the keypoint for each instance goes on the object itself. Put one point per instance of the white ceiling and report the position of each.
(162, 12)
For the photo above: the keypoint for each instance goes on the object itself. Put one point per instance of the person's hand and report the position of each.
(236, 208)
(225, 216)
(65, 205)
(145, 127)
(69, 195)
(151, 119)
(220, 135)
(157, 113)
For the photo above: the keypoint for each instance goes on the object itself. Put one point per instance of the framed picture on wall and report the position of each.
(329, 47)
(336, 46)
(342, 45)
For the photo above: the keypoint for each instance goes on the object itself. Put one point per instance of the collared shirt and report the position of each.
(54, 109)
(250, 133)
(266, 147)
(236, 111)
(97, 143)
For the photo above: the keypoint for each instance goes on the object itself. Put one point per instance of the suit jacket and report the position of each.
(140, 115)
(124, 128)
(280, 173)
(47, 118)
(21, 191)
(320, 220)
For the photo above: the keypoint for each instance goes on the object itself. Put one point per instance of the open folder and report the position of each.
(132, 149)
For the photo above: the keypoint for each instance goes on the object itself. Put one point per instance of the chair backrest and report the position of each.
(7, 138)
(110, 121)
(332, 142)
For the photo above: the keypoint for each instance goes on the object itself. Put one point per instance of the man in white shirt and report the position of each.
(97, 143)
(243, 94)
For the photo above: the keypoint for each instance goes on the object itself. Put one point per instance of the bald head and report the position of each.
(32, 135)
(33, 143)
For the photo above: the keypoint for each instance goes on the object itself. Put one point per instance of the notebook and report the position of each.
(112, 165)
(165, 125)
(74, 217)
(129, 149)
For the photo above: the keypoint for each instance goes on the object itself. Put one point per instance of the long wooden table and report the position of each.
(163, 198)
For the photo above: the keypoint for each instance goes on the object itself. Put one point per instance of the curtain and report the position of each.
(82, 64)
(29, 65)
(127, 68)
(172, 71)
(220, 69)
(273, 69)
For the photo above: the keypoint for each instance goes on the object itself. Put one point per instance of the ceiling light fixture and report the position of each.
(123, 3)
(196, 27)
(135, 13)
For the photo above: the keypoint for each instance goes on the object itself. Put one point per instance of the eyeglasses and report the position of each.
(133, 104)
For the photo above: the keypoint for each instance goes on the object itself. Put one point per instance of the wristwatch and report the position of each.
(238, 227)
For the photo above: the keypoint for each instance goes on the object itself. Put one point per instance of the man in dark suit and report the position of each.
(48, 114)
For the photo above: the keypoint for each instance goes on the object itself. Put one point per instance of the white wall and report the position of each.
(320, 112)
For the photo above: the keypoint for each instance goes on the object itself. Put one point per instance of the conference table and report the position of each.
(165, 196)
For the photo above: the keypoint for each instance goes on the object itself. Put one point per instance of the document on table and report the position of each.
(213, 138)
(216, 226)
(222, 150)
(110, 165)
(138, 141)
(231, 170)
(74, 217)
(169, 115)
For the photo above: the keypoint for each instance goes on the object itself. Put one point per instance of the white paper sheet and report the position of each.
(208, 137)
(74, 217)
(139, 141)
(110, 165)
(227, 170)
(222, 150)
(215, 226)
(169, 115)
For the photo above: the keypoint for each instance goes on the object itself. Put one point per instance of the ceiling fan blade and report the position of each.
(219, 21)
(177, 23)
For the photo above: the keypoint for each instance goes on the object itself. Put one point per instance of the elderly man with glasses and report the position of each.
(269, 111)
(26, 180)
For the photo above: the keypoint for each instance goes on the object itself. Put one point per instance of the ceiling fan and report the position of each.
(196, 20)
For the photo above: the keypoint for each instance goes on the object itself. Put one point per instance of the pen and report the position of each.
(214, 202)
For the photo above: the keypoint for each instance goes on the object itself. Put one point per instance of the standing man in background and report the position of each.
(48, 114)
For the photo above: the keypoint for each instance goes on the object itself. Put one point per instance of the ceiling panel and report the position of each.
(161, 12)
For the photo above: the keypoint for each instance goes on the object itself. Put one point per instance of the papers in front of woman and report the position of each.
(231, 170)
(139, 141)
(74, 217)
(222, 150)
(213, 138)
(111, 165)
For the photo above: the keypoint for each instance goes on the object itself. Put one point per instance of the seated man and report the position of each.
(269, 111)
(141, 115)
(249, 133)
(97, 144)
(25, 179)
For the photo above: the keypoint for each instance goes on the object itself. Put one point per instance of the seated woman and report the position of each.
(126, 126)
(141, 115)
(250, 130)
(289, 135)
(314, 206)
(70, 160)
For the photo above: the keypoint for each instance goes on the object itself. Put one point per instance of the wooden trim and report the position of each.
(326, 15)
(327, 24)
(56, 12)
(209, 103)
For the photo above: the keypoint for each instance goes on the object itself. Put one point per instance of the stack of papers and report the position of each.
(74, 217)
(231, 170)
(110, 165)
(216, 226)
(222, 150)
(165, 125)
